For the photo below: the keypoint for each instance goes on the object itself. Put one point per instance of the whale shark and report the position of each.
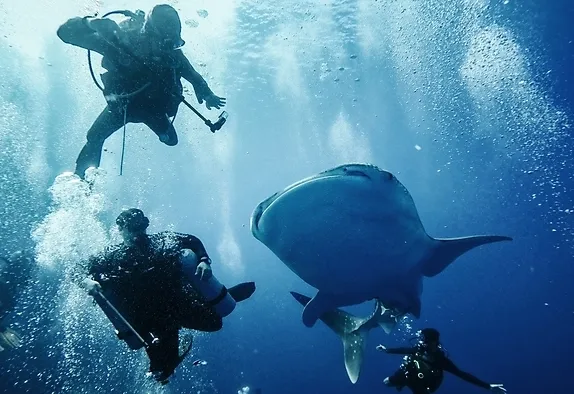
(353, 232)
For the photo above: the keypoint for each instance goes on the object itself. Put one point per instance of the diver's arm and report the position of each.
(92, 287)
(88, 280)
(188, 241)
(79, 274)
(201, 266)
(449, 366)
(202, 90)
(400, 350)
(89, 33)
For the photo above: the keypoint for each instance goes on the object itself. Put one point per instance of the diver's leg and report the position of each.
(107, 123)
(164, 355)
(418, 385)
(398, 379)
(195, 314)
(419, 390)
(162, 126)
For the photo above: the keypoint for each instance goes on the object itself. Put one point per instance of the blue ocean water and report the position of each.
(468, 102)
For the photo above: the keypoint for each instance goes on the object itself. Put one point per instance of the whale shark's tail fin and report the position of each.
(444, 251)
(352, 330)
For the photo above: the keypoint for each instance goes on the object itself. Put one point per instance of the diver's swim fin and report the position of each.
(185, 345)
(242, 291)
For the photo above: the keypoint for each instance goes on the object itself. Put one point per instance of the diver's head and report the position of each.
(429, 336)
(132, 223)
(163, 27)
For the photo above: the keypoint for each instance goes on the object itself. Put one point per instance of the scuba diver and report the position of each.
(142, 84)
(15, 274)
(151, 286)
(424, 364)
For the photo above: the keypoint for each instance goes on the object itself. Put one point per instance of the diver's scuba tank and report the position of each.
(211, 289)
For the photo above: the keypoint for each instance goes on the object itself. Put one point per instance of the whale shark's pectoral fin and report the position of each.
(318, 305)
(445, 251)
(337, 320)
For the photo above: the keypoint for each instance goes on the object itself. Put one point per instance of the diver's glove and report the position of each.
(93, 287)
(203, 269)
(213, 101)
(497, 388)
(103, 26)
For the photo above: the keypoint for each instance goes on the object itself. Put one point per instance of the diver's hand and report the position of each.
(93, 287)
(497, 388)
(102, 26)
(382, 348)
(203, 271)
(213, 101)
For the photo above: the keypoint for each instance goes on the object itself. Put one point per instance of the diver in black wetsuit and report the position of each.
(424, 364)
(142, 83)
(146, 281)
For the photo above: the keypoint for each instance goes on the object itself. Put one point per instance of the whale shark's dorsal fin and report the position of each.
(351, 329)
(445, 250)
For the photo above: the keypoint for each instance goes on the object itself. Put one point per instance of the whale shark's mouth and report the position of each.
(266, 205)
(256, 217)
(339, 172)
